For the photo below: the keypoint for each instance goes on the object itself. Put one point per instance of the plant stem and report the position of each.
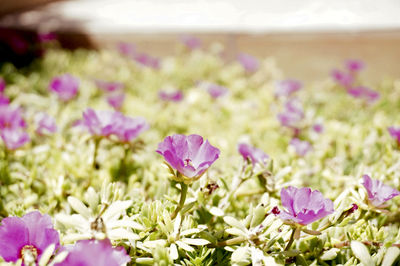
(291, 240)
(233, 241)
(184, 189)
(96, 148)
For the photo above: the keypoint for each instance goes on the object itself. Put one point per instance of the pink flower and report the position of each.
(4, 100)
(147, 60)
(363, 93)
(301, 147)
(14, 138)
(287, 87)
(304, 206)
(11, 118)
(317, 127)
(171, 96)
(116, 100)
(101, 123)
(126, 49)
(45, 124)
(95, 253)
(217, 91)
(65, 86)
(191, 42)
(248, 62)
(378, 193)
(47, 37)
(109, 86)
(395, 133)
(26, 237)
(2, 85)
(354, 65)
(190, 155)
(254, 154)
(342, 78)
(128, 128)
(292, 115)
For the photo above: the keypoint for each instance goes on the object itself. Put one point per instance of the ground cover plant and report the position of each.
(117, 157)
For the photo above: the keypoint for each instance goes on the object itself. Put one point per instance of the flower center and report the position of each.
(188, 162)
(98, 225)
(29, 255)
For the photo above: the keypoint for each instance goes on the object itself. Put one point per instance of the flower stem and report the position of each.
(184, 189)
(96, 148)
(233, 241)
(291, 240)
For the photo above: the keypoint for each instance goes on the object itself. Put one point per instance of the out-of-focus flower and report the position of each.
(101, 123)
(128, 128)
(45, 37)
(2, 85)
(342, 78)
(363, 93)
(287, 87)
(171, 96)
(109, 86)
(395, 133)
(318, 127)
(95, 253)
(147, 60)
(254, 154)
(354, 65)
(45, 124)
(190, 155)
(216, 91)
(4, 100)
(304, 206)
(11, 118)
(116, 100)
(378, 193)
(248, 62)
(26, 238)
(14, 138)
(127, 49)
(292, 115)
(302, 147)
(65, 86)
(191, 42)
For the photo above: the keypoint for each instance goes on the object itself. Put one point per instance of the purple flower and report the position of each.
(126, 49)
(287, 87)
(254, 154)
(302, 147)
(363, 93)
(292, 115)
(95, 253)
(116, 100)
(354, 65)
(171, 96)
(26, 237)
(147, 60)
(395, 133)
(4, 100)
(65, 86)
(248, 62)
(45, 124)
(14, 138)
(318, 127)
(190, 155)
(342, 78)
(216, 91)
(101, 123)
(11, 118)
(191, 42)
(128, 128)
(108, 86)
(304, 206)
(378, 193)
(2, 85)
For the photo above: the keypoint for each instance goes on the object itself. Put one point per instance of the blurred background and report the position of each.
(307, 38)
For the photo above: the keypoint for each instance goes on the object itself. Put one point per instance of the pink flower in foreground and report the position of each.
(171, 96)
(216, 91)
(191, 42)
(14, 138)
(302, 147)
(395, 133)
(27, 237)
(304, 206)
(248, 62)
(354, 65)
(109, 86)
(95, 253)
(254, 154)
(116, 100)
(4, 100)
(287, 87)
(45, 124)
(342, 78)
(11, 117)
(2, 85)
(378, 193)
(190, 155)
(65, 86)
(363, 93)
